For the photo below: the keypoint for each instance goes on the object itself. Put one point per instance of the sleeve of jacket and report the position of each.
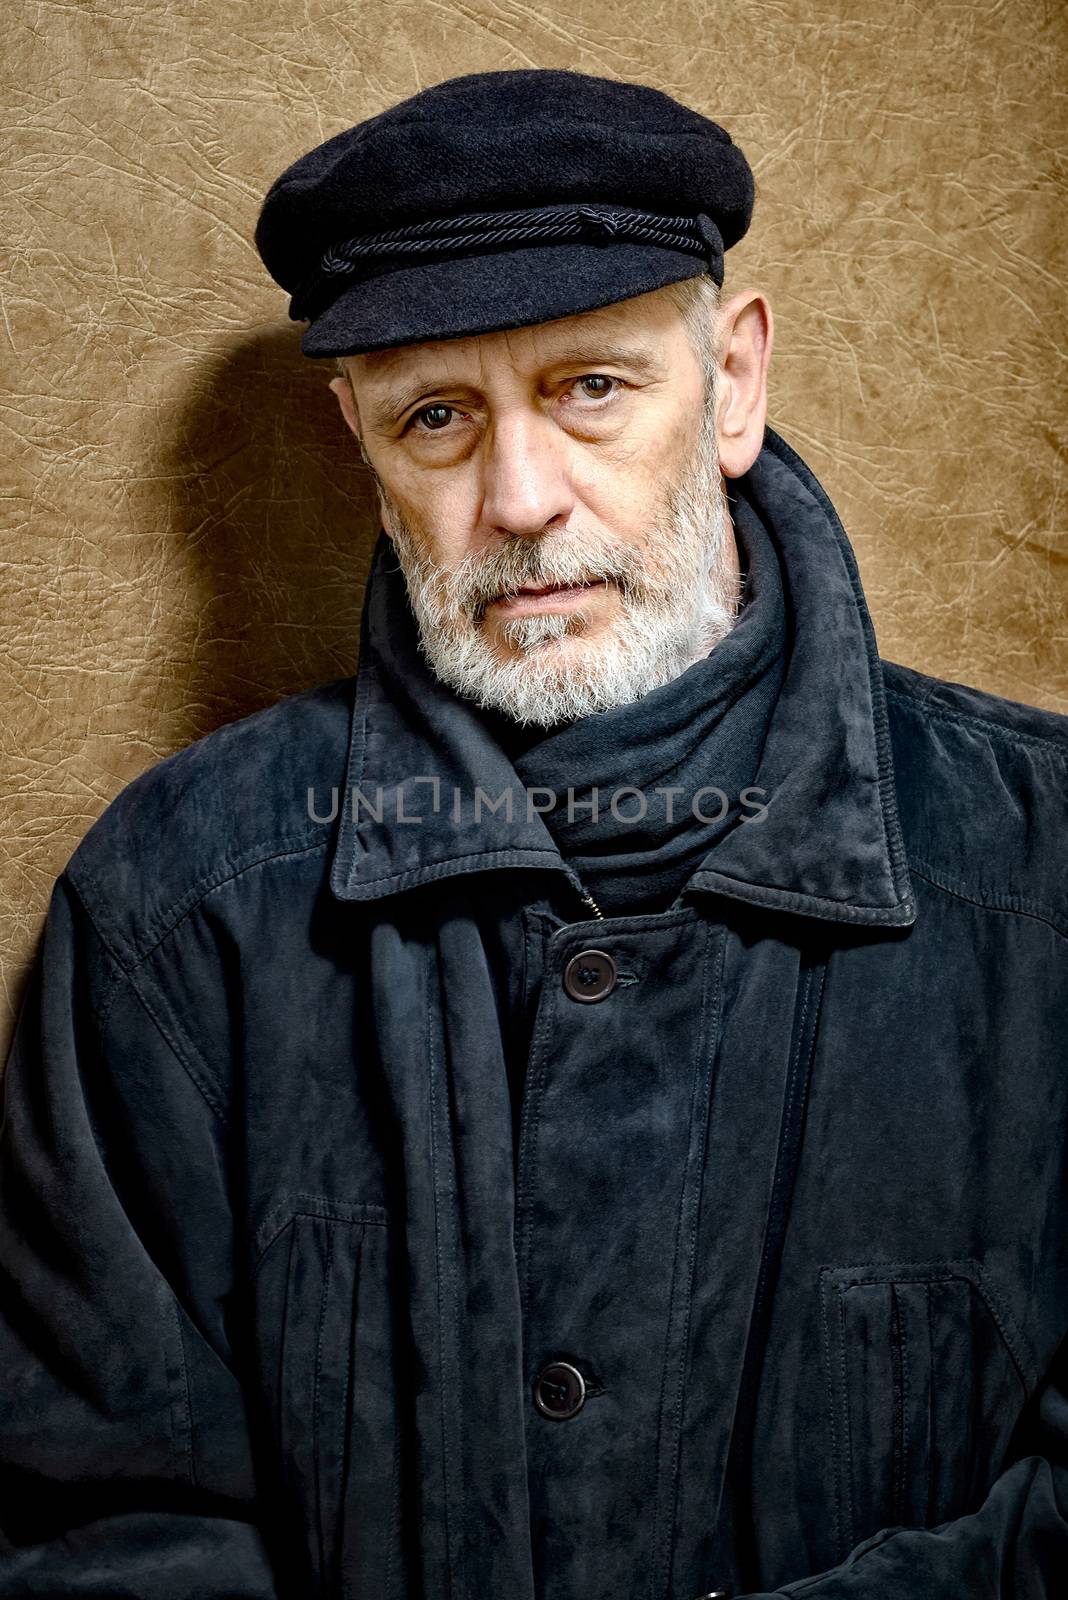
(125, 1456)
(1013, 1547)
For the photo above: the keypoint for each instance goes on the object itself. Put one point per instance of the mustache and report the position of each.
(476, 581)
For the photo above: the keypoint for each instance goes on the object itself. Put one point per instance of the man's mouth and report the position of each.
(545, 597)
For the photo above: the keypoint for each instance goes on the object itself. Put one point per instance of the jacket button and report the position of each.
(715, 1594)
(559, 1390)
(589, 976)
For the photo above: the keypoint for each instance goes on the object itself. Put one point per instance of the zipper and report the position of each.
(587, 899)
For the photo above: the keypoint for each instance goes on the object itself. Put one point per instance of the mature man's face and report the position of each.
(555, 500)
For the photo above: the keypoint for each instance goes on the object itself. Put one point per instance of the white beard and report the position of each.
(678, 598)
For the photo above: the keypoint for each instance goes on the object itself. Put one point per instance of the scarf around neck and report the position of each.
(702, 731)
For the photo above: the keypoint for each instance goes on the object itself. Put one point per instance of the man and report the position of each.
(577, 1110)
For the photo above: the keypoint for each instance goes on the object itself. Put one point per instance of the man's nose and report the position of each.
(526, 483)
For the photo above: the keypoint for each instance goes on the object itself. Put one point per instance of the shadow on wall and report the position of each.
(273, 519)
(240, 553)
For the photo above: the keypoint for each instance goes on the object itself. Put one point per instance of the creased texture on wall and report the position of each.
(187, 526)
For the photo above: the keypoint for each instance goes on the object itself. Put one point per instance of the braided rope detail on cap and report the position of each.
(439, 238)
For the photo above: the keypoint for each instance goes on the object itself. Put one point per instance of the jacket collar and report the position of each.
(829, 844)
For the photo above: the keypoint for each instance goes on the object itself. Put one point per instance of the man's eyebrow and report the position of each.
(639, 356)
(393, 403)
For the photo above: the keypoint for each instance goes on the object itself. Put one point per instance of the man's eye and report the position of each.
(594, 378)
(433, 418)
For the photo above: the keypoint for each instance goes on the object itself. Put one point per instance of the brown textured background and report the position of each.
(186, 530)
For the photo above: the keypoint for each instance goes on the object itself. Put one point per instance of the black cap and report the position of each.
(498, 200)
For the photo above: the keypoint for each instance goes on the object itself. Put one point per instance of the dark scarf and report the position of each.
(704, 728)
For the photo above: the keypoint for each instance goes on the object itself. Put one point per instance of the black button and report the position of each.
(589, 976)
(715, 1594)
(559, 1390)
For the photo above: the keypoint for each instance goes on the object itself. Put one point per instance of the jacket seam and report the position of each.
(411, 876)
(183, 1454)
(929, 708)
(832, 1417)
(772, 898)
(208, 1087)
(358, 1214)
(110, 998)
(114, 986)
(450, 1405)
(260, 855)
(701, 1097)
(318, 1422)
(1003, 902)
(210, 1092)
(345, 860)
(968, 1269)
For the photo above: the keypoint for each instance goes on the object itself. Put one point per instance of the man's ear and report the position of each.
(346, 399)
(746, 330)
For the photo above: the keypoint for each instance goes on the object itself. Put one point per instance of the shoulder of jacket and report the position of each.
(988, 715)
(235, 798)
(982, 791)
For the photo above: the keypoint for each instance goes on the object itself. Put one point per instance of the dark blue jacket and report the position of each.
(278, 1281)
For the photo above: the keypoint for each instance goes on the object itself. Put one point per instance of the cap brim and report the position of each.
(466, 295)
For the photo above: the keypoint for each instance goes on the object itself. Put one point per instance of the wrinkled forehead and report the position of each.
(636, 333)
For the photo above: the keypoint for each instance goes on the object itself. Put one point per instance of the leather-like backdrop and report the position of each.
(187, 527)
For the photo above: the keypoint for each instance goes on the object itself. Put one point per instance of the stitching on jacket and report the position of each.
(259, 855)
(394, 1540)
(965, 1269)
(448, 1391)
(186, 1400)
(209, 1092)
(109, 1000)
(529, 1125)
(343, 1416)
(525, 988)
(832, 1411)
(804, 1034)
(800, 1052)
(928, 1476)
(899, 1368)
(933, 708)
(359, 1213)
(1009, 1329)
(111, 997)
(111, 992)
(703, 1073)
(354, 761)
(847, 1432)
(779, 899)
(440, 869)
(324, 1299)
(991, 900)
(261, 1255)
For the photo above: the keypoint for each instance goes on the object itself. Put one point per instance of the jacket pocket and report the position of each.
(325, 1334)
(926, 1377)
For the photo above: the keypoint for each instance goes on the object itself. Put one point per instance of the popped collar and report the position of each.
(830, 846)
